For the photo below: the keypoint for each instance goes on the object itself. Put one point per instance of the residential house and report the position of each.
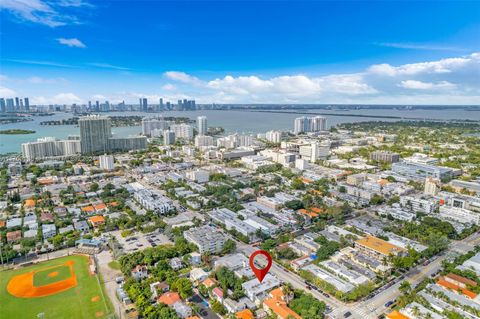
(48, 230)
(140, 272)
(159, 287)
(66, 229)
(47, 217)
(81, 226)
(276, 304)
(169, 298)
(195, 258)
(198, 275)
(176, 263)
(182, 309)
(258, 291)
(14, 236)
(245, 314)
(217, 293)
(96, 221)
(209, 282)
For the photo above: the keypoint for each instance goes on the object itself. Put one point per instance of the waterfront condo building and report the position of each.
(274, 136)
(183, 131)
(94, 134)
(202, 126)
(309, 124)
(96, 137)
(151, 124)
(50, 147)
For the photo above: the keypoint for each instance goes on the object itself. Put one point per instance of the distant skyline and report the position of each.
(382, 52)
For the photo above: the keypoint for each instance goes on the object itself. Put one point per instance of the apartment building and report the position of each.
(385, 156)
(419, 172)
(461, 215)
(275, 202)
(153, 200)
(425, 205)
(206, 238)
(378, 248)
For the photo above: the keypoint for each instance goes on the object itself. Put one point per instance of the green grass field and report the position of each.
(44, 277)
(73, 303)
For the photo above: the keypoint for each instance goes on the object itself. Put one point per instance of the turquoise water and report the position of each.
(232, 121)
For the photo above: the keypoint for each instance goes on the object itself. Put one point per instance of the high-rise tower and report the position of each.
(94, 134)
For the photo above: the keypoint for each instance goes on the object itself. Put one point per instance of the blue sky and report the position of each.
(71, 51)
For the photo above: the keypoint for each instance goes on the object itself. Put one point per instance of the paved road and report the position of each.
(372, 308)
(375, 306)
(108, 276)
(287, 276)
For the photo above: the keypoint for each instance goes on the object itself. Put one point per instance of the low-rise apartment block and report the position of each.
(427, 205)
(206, 238)
(153, 200)
(378, 248)
(385, 156)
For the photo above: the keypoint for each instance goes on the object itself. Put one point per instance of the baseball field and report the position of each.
(59, 288)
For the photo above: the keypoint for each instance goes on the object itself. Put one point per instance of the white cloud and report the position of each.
(182, 77)
(456, 76)
(350, 84)
(99, 97)
(40, 80)
(296, 86)
(35, 80)
(73, 3)
(445, 81)
(418, 46)
(6, 92)
(73, 42)
(382, 69)
(66, 98)
(169, 87)
(60, 98)
(38, 11)
(419, 85)
(435, 67)
(109, 66)
(44, 63)
(241, 85)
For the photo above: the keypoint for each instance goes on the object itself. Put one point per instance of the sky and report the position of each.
(355, 52)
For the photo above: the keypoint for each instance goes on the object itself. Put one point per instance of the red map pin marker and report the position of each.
(260, 273)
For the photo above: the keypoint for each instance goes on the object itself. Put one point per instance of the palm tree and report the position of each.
(405, 287)
(415, 310)
(384, 261)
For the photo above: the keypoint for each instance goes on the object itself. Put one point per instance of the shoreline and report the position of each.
(17, 132)
(391, 117)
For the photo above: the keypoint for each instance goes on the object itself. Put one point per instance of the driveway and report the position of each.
(108, 276)
(205, 311)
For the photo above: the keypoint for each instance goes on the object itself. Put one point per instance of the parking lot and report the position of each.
(139, 241)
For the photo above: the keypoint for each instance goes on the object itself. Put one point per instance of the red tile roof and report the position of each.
(169, 298)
